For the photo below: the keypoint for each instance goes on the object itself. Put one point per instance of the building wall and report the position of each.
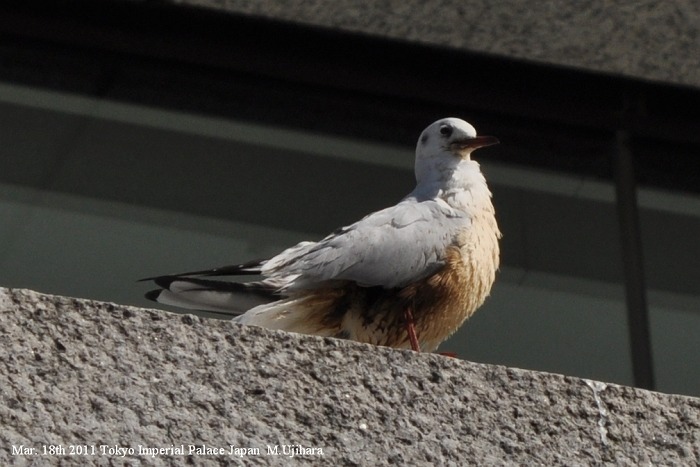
(649, 40)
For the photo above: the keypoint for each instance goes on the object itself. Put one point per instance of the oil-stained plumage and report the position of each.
(422, 266)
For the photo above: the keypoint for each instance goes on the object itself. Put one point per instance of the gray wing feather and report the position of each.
(389, 248)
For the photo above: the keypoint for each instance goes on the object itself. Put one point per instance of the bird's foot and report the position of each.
(448, 354)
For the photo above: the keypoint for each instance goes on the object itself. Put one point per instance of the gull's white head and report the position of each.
(444, 145)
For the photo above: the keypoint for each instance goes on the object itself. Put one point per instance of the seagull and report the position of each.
(407, 276)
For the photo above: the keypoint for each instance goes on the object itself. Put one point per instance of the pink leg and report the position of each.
(411, 329)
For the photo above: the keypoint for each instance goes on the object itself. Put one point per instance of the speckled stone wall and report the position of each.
(84, 381)
(647, 39)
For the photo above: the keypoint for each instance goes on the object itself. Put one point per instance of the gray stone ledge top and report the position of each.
(645, 39)
(84, 373)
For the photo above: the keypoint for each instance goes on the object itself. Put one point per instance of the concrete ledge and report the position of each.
(83, 373)
(646, 39)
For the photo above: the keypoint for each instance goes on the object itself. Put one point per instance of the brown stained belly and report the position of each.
(440, 304)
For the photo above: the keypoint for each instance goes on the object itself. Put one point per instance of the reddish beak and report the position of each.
(476, 142)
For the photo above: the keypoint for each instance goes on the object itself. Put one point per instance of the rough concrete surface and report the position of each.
(86, 376)
(647, 39)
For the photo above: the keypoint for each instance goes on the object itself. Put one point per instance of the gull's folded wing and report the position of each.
(389, 248)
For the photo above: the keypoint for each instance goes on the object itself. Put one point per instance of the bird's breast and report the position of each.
(440, 302)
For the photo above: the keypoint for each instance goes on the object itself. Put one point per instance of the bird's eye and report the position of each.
(445, 130)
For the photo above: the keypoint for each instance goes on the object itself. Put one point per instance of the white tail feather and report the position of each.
(300, 315)
(193, 297)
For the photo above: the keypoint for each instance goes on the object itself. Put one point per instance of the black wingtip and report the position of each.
(162, 281)
(165, 281)
(154, 278)
(248, 268)
(243, 269)
(153, 295)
